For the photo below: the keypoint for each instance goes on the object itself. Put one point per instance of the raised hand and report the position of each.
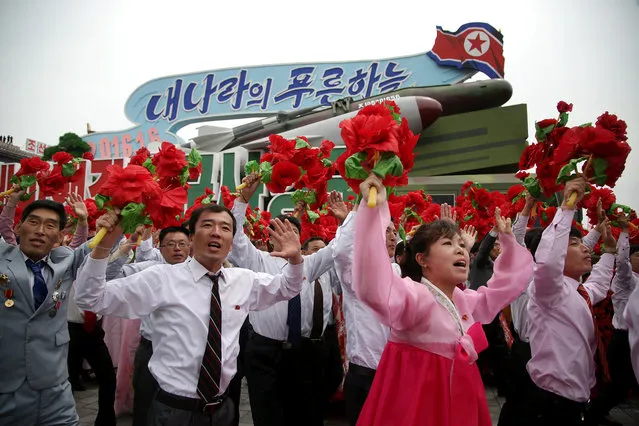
(469, 235)
(252, 182)
(447, 213)
(530, 204)
(14, 198)
(575, 185)
(299, 209)
(111, 222)
(337, 207)
(607, 238)
(76, 202)
(502, 224)
(288, 241)
(624, 222)
(601, 217)
(372, 181)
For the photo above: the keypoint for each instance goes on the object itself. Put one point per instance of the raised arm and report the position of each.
(7, 216)
(81, 233)
(521, 221)
(131, 297)
(486, 245)
(146, 252)
(519, 229)
(623, 282)
(600, 278)
(595, 233)
(343, 252)
(552, 249)
(270, 289)
(398, 303)
(513, 270)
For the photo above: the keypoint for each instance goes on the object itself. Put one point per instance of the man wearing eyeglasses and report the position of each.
(173, 245)
(174, 248)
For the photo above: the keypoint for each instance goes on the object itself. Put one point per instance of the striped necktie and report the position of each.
(208, 385)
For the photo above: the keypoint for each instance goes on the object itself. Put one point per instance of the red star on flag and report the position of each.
(476, 43)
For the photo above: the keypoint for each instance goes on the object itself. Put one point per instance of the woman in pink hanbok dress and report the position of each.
(427, 374)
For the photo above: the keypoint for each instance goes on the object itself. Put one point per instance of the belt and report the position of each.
(191, 404)
(360, 370)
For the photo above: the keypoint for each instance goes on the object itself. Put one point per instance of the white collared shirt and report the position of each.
(272, 322)
(180, 311)
(366, 336)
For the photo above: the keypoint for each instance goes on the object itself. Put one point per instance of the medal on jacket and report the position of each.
(57, 296)
(8, 292)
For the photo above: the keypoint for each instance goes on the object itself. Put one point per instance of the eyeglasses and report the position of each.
(173, 244)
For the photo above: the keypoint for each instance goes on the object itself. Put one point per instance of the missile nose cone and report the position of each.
(429, 110)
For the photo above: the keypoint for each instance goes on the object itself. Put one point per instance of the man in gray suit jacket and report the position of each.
(34, 283)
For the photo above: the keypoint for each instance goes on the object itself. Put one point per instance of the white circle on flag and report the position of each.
(476, 43)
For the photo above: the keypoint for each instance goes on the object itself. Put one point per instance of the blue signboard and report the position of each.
(161, 107)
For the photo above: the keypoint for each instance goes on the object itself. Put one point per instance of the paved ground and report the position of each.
(87, 404)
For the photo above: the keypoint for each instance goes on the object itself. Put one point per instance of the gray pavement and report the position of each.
(87, 405)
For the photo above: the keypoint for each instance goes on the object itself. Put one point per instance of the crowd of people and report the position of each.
(428, 319)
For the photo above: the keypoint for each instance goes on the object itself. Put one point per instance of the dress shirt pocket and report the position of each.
(62, 336)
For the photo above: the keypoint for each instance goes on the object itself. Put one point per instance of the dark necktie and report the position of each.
(600, 354)
(208, 385)
(39, 285)
(294, 320)
(318, 312)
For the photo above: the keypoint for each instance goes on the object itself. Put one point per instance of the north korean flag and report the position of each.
(474, 45)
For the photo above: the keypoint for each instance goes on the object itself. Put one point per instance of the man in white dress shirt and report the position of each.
(174, 249)
(366, 337)
(282, 353)
(197, 319)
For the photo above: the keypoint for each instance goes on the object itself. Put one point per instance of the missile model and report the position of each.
(420, 105)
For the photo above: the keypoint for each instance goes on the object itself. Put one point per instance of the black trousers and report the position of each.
(235, 386)
(357, 385)
(621, 375)
(538, 407)
(494, 357)
(333, 367)
(144, 384)
(91, 346)
(519, 385)
(286, 384)
(162, 414)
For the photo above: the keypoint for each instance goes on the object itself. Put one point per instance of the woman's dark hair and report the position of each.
(215, 208)
(425, 237)
(48, 205)
(399, 248)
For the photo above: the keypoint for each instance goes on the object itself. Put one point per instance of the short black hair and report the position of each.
(576, 233)
(532, 239)
(295, 221)
(215, 208)
(48, 205)
(399, 248)
(171, 229)
(310, 240)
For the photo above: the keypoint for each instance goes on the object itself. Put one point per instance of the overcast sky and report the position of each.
(65, 63)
